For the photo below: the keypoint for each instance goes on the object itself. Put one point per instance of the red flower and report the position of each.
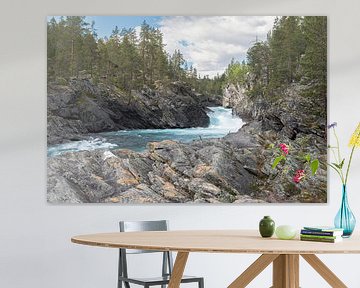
(300, 174)
(284, 148)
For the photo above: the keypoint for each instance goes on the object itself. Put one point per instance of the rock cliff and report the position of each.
(82, 107)
(291, 118)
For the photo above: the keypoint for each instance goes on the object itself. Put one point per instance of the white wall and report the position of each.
(35, 248)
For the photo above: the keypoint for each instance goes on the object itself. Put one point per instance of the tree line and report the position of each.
(126, 59)
(295, 51)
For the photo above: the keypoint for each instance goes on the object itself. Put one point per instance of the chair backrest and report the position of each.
(134, 226)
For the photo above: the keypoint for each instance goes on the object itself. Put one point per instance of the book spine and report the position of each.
(318, 239)
(320, 236)
(319, 233)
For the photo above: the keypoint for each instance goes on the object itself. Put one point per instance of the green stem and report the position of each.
(340, 159)
(338, 146)
(348, 167)
(337, 171)
(337, 161)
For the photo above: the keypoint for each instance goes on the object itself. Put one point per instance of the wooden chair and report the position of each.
(167, 262)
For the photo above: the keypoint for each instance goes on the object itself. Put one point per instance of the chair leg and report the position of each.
(201, 283)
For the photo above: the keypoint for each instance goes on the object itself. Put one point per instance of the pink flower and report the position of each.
(300, 174)
(284, 148)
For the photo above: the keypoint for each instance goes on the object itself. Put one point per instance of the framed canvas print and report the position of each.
(180, 109)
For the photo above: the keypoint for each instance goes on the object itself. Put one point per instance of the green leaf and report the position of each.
(342, 164)
(336, 165)
(337, 171)
(307, 158)
(333, 167)
(277, 161)
(314, 166)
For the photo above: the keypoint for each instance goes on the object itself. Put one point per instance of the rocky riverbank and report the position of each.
(204, 171)
(81, 107)
(294, 119)
(234, 169)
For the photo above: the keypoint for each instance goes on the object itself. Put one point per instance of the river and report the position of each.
(222, 122)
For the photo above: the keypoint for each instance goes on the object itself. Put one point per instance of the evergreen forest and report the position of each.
(295, 51)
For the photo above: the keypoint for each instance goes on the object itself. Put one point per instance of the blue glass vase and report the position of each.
(345, 219)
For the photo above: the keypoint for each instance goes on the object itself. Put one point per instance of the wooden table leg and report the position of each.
(324, 271)
(178, 270)
(293, 264)
(253, 270)
(286, 271)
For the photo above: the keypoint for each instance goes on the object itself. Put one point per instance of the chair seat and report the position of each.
(158, 280)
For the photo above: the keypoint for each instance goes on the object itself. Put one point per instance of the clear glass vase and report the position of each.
(345, 219)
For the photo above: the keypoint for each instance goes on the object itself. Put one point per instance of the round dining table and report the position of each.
(283, 254)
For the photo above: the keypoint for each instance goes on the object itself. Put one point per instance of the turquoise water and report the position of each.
(222, 122)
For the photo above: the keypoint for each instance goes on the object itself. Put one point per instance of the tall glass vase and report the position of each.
(345, 219)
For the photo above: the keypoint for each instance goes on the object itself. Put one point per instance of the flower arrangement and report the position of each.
(339, 163)
(344, 219)
(306, 162)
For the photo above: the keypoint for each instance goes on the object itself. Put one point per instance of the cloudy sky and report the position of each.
(208, 43)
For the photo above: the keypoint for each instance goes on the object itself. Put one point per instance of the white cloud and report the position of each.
(211, 42)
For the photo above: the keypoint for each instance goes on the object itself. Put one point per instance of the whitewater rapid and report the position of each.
(222, 122)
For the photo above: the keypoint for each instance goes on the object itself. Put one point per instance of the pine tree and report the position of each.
(258, 58)
(287, 45)
(130, 59)
(314, 62)
(176, 63)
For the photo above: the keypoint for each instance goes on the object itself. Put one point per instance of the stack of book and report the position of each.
(321, 234)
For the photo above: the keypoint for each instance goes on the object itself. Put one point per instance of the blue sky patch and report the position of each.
(184, 43)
